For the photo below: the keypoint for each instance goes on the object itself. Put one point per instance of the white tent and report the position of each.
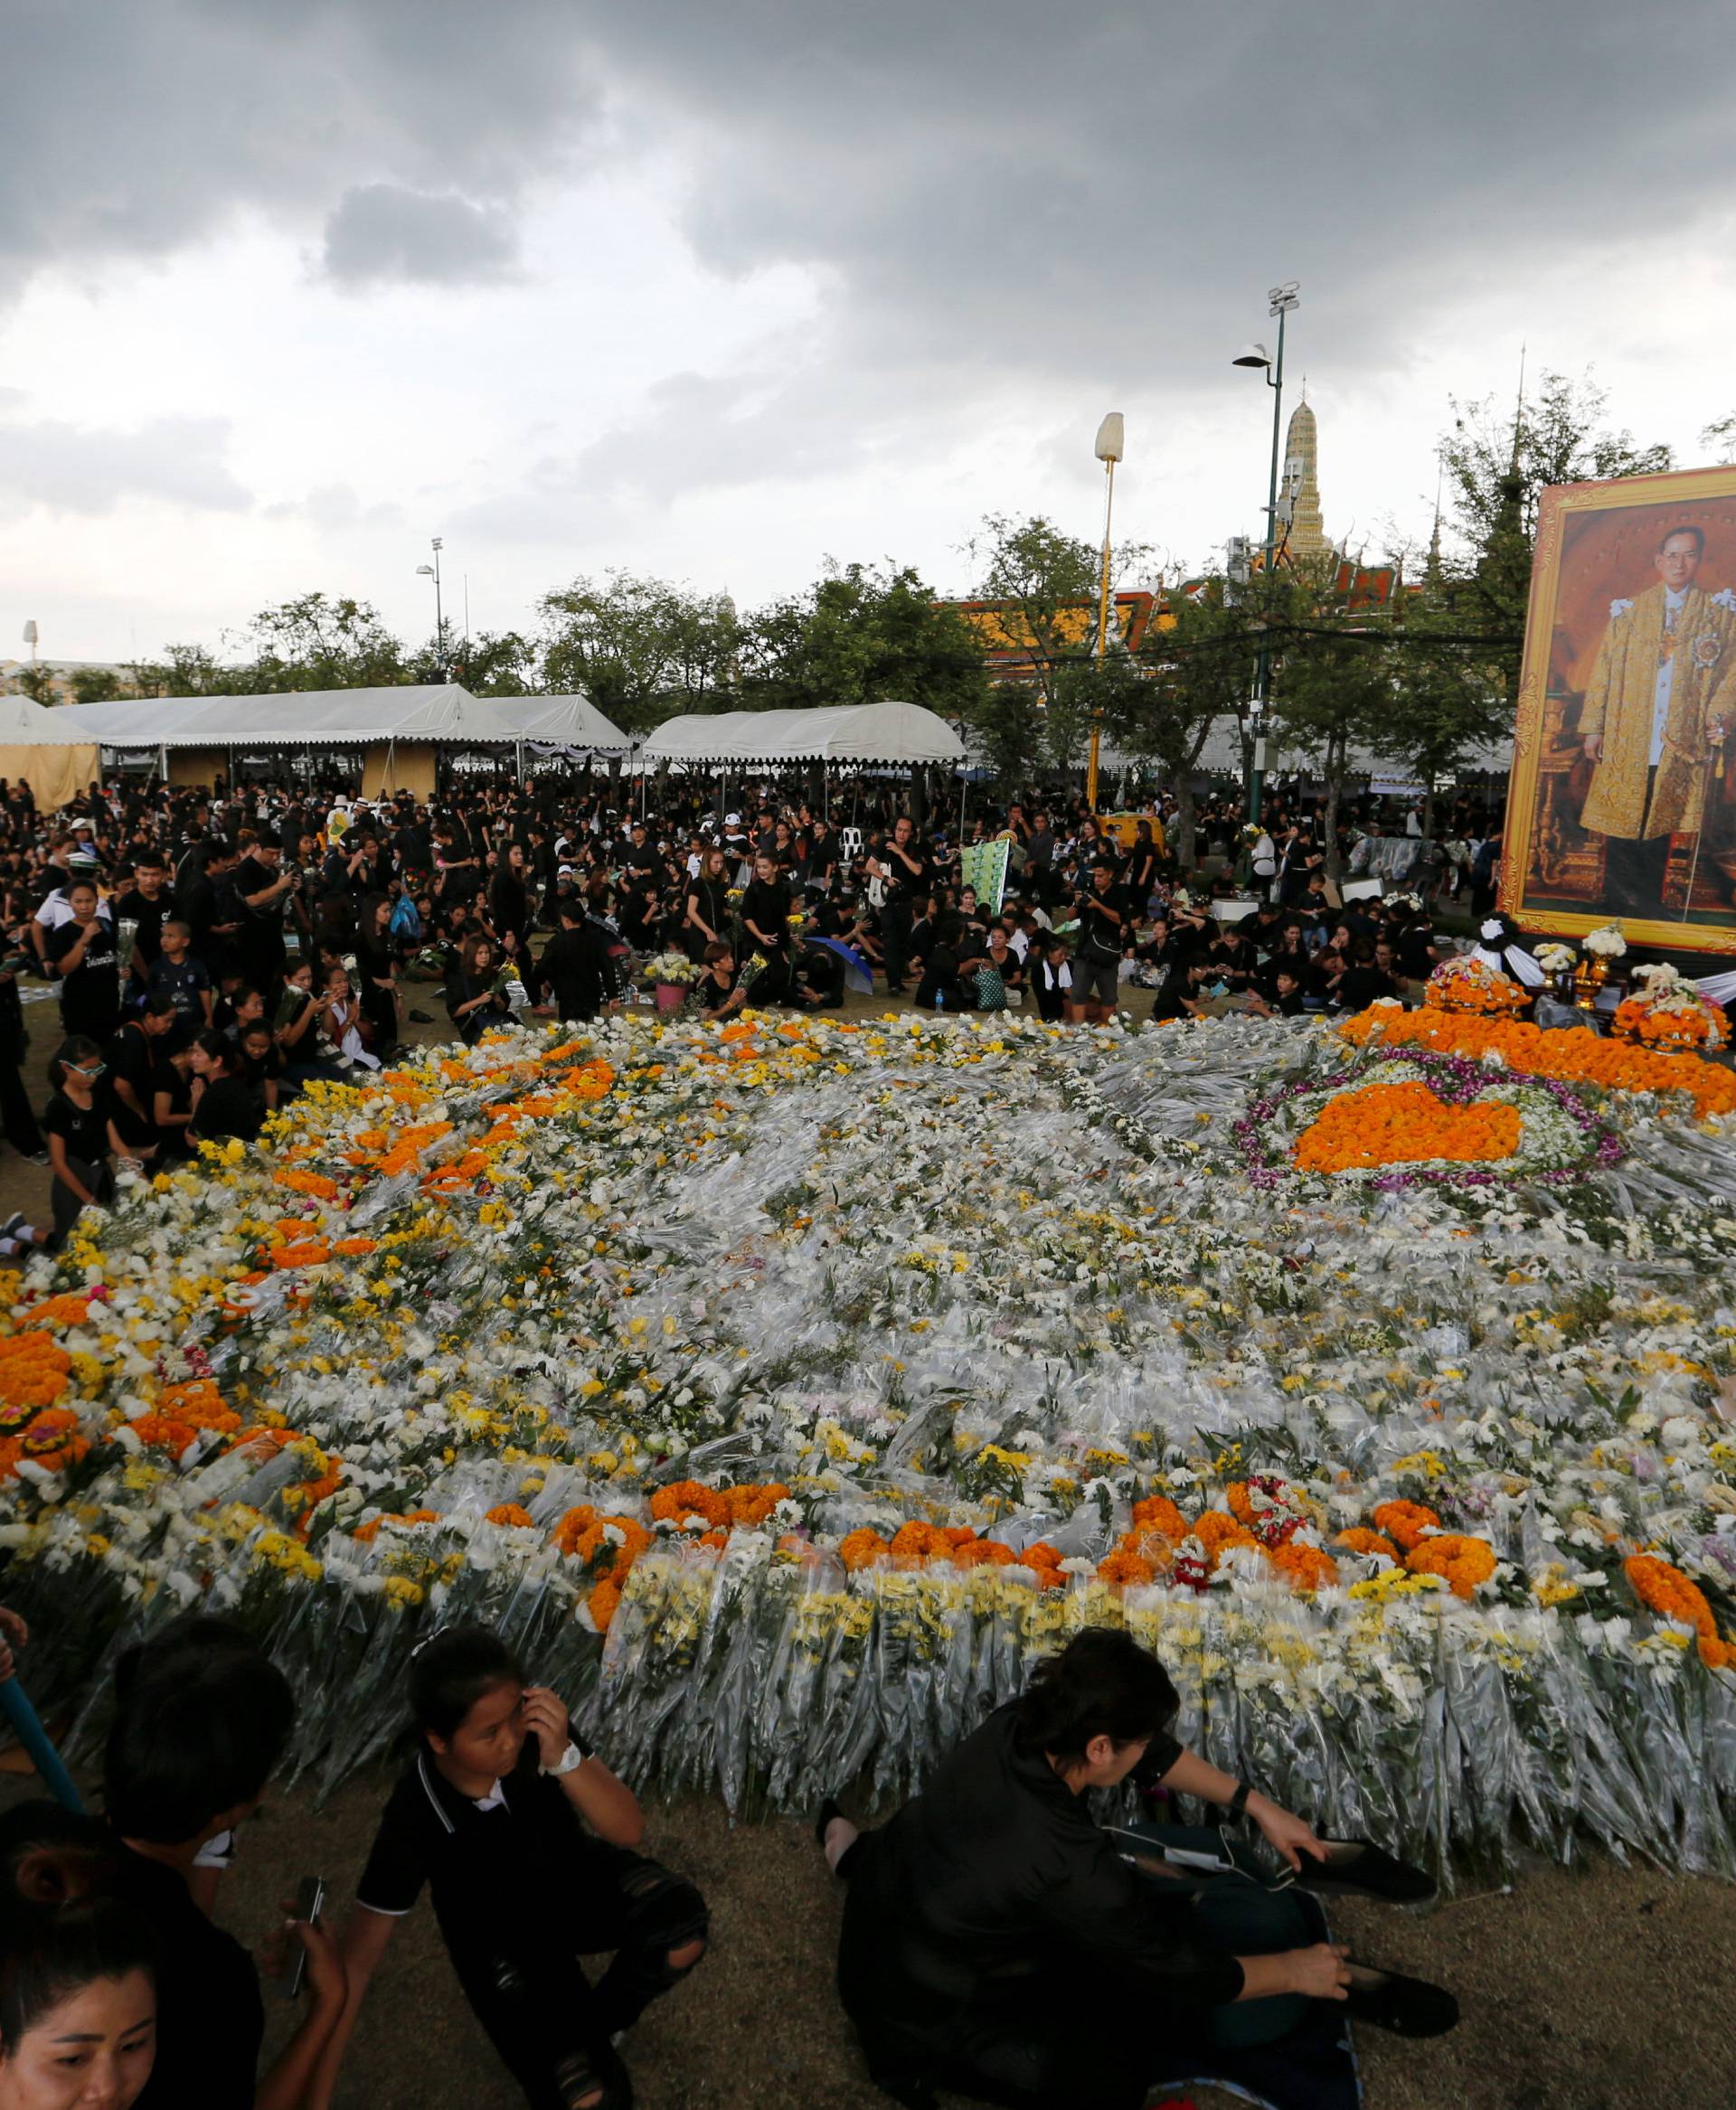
(434, 711)
(563, 721)
(56, 757)
(861, 732)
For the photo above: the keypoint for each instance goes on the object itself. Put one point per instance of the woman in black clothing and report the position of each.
(706, 920)
(510, 906)
(1143, 866)
(765, 926)
(474, 997)
(222, 1104)
(993, 1914)
(82, 1138)
(87, 966)
(377, 963)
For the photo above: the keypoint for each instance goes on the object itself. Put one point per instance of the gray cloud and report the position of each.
(73, 469)
(383, 232)
(332, 506)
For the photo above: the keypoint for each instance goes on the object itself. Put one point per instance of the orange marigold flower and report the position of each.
(305, 1182)
(1375, 1125)
(56, 1440)
(751, 1506)
(1157, 1513)
(604, 1601)
(984, 1553)
(1304, 1568)
(919, 1542)
(68, 1309)
(353, 1249)
(508, 1512)
(689, 1498)
(1404, 1523)
(1460, 1562)
(1124, 1570)
(861, 1549)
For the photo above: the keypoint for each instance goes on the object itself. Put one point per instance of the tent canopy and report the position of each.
(434, 710)
(39, 746)
(859, 732)
(563, 722)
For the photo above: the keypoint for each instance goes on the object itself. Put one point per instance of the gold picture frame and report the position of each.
(1600, 562)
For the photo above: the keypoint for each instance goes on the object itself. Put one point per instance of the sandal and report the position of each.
(1353, 1868)
(1408, 2006)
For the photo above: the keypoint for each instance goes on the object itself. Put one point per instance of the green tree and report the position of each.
(491, 664)
(1194, 668)
(37, 682)
(1335, 683)
(1047, 584)
(98, 684)
(641, 649)
(316, 643)
(1496, 465)
(188, 670)
(864, 633)
(1006, 733)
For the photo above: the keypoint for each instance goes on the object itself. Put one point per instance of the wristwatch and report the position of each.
(1238, 1808)
(571, 1759)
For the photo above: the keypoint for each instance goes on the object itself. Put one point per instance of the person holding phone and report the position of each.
(202, 1720)
(528, 1842)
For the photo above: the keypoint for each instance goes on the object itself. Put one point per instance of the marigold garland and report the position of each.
(1573, 1056)
(1669, 1592)
(1378, 1125)
(1358, 1540)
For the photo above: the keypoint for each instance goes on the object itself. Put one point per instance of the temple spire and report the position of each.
(1306, 537)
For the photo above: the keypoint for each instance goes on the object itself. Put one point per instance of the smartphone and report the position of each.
(310, 1898)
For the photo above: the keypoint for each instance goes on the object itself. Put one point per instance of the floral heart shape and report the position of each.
(1404, 1123)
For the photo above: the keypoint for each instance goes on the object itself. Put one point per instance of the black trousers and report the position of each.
(549, 2023)
(17, 1117)
(894, 938)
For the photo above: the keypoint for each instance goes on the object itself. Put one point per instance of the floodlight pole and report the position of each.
(1110, 445)
(1283, 299)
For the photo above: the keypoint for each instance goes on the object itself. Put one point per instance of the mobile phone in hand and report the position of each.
(310, 1898)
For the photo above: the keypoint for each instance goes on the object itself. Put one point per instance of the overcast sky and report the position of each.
(713, 289)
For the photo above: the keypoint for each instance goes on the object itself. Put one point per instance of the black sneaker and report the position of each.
(1354, 1869)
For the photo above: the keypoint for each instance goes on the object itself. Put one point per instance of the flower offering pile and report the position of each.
(786, 1391)
(1471, 984)
(1666, 1009)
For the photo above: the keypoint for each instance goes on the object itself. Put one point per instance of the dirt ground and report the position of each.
(1595, 1988)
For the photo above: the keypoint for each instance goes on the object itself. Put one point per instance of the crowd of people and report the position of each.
(212, 952)
(979, 1924)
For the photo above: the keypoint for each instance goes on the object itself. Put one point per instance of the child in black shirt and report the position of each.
(489, 1815)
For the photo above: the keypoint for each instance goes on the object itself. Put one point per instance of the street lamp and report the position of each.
(1111, 445)
(1282, 300)
(433, 571)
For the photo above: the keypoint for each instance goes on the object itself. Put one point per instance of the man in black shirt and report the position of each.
(906, 872)
(144, 905)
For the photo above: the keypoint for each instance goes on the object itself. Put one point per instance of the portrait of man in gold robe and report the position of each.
(1660, 700)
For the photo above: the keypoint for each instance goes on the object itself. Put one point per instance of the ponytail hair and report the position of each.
(74, 1049)
(63, 1927)
(1101, 1684)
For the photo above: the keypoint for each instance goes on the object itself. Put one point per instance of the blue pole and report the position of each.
(26, 1726)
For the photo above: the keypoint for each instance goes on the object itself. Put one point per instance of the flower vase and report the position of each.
(670, 996)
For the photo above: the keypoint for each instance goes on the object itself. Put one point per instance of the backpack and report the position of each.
(406, 920)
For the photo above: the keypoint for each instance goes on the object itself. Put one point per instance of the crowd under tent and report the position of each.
(863, 733)
(570, 725)
(39, 747)
(396, 734)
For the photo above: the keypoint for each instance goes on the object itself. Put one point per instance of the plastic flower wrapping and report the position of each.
(785, 1391)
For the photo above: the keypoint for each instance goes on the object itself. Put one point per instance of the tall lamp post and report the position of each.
(1283, 299)
(433, 571)
(1111, 444)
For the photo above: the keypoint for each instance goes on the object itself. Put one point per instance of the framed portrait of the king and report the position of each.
(1622, 802)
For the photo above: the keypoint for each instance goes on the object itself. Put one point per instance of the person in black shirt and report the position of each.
(575, 975)
(491, 1816)
(765, 927)
(87, 964)
(200, 1722)
(475, 999)
(992, 1911)
(719, 988)
(707, 911)
(135, 1055)
(262, 884)
(80, 1135)
(1097, 956)
(223, 1106)
(906, 872)
(144, 904)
